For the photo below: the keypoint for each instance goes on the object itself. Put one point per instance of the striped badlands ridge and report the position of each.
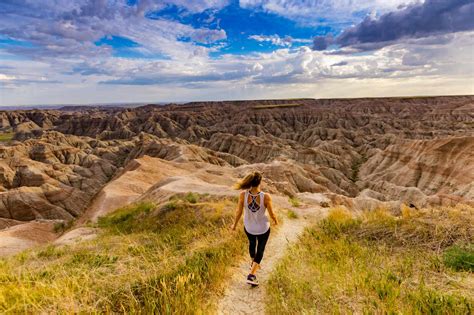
(364, 153)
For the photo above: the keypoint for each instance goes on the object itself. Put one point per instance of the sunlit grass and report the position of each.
(6, 136)
(378, 263)
(294, 201)
(291, 214)
(171, 259)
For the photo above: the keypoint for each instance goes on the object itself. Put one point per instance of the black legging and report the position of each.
(258, 242)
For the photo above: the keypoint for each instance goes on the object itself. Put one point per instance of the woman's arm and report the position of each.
(239, 211)
(268, 204)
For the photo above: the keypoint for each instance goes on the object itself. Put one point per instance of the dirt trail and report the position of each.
(239, 297)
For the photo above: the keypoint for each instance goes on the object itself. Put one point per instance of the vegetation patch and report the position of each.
(460, 257)
(191, 197)
(277, 106)
(355, 168)
(62, 226)
(378, 263)
(6, 136)
(291, 214)
(127, 219)
(165, 259)
(294, 201)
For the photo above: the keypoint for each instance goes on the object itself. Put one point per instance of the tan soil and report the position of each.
(23, 236)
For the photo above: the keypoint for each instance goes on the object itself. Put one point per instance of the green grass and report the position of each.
(129, 219)
(192, 197)
(167, 259)
(6, 136)
(460, 257)
(355, 168)
(276, 106)
(375, 263)
(291, 214)
(295, 202)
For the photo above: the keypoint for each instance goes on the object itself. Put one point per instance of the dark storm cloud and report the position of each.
(433, 17)
(340, 64)
(321, 42)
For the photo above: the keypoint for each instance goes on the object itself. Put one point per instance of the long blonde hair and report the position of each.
(250, 180)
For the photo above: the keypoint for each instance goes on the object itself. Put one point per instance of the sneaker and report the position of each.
(252, 280)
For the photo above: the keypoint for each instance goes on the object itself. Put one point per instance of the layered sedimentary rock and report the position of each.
(423, 171)
(414, 150)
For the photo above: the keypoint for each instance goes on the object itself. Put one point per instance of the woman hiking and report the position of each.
(253, 203)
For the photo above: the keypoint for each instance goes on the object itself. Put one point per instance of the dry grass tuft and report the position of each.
(431, 228)
(294, 202)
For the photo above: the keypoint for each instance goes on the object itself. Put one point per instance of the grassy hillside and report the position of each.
(420, 263)
(167, 259)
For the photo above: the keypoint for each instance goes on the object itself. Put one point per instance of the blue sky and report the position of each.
(98, 51)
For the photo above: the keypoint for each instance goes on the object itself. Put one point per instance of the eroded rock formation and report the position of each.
(413, 150)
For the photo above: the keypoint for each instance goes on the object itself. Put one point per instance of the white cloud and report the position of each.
(311, 11)
(276, 40)
(5, 77)
(60, 28)
(69, 68)
(401, 69)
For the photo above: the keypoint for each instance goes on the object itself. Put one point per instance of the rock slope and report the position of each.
(61, 164)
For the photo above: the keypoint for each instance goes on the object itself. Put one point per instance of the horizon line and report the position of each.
(141, 103)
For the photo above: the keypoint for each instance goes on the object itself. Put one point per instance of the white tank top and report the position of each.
(255, 220)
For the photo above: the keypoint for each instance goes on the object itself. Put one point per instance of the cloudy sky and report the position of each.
(98, 51)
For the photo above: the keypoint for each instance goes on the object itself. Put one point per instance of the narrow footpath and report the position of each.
(241, 298)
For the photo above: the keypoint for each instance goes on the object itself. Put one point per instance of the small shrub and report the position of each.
(291, 214)
(324, 204)
(170, 206)
(460, 258)
(60, 227)
(191, 197)
(294, 202)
